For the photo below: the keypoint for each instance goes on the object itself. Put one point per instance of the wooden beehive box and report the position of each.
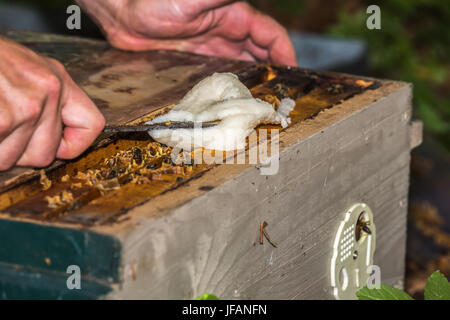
(189, 230)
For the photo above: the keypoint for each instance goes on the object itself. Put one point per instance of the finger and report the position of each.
(246, 56)
(266, 33)
(7, 123)
(44, 142)
(195, 7)
(218, 46)
(12, 147)
(82, 119)
(41, 149)
(258, 52)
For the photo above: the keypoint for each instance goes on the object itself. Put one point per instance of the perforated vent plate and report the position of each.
(353, 249)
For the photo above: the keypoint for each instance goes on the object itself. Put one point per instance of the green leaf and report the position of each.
(384, 293)
(437, 287)
(207, 296)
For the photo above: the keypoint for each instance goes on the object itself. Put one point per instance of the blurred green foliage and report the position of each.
(412, 45)
(207, 296)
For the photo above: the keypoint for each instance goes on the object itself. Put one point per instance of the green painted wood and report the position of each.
(20, 284)
(34, 259)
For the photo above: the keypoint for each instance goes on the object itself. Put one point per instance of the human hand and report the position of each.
(213, 27)
(38, 98)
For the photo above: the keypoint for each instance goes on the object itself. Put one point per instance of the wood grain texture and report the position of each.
(123, 85)
(206, 244)
(190, 241)
(313, 93)
(200, 236)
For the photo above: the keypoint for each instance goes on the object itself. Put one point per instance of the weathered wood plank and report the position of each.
(190, 240)
(206, 245)
(126, 85)
(123, 85)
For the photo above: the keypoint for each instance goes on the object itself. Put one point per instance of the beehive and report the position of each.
(140, 226)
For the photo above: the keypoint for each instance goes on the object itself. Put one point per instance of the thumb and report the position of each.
(83, 122)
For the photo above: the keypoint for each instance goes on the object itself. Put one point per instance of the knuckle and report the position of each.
(32, 110)
(52, 84)
(57, 65)
(33, 104)
(55, 62)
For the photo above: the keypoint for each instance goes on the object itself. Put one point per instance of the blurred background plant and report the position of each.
(413, 44)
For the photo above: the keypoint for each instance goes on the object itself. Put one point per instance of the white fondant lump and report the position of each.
(219, 97)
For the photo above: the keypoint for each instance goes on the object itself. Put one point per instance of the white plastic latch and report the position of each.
(353, 249)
